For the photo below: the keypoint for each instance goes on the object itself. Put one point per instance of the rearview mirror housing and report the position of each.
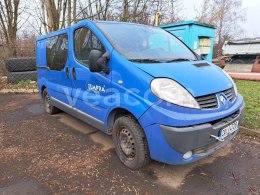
(97, 61)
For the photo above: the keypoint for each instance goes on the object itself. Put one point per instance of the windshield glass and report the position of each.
(142, 43)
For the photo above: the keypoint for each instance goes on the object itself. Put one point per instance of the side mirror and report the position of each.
(203, 57)
(97, 61)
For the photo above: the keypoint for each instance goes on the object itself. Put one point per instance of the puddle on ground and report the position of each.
(35, 109)
(26, 112)
(25, 187)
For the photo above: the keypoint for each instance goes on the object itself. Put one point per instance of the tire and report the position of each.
(130, 142)
(49, 108)
(20, 64)
(252, 61)
(15, 77)
(238, 61)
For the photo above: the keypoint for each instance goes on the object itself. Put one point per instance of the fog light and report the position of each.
(187, 155)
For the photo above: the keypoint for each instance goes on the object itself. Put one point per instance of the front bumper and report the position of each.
(198, 137)
(168, 142)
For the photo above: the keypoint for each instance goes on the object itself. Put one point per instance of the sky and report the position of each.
(252, 10)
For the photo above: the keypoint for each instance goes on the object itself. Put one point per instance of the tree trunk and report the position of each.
(50, 17)
(69, 12)
(125, 11)
(74, 11)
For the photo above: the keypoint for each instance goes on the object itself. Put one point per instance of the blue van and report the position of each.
(142, 85)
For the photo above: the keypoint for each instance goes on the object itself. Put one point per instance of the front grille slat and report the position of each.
(211, 102)
(230, 94)
(205, 97)
(208, 102)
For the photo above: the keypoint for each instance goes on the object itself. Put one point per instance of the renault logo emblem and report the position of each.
(223, 100)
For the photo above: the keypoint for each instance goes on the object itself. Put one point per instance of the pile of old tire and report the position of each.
(19, 69)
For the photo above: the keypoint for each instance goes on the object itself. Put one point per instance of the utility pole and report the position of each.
(157, 16)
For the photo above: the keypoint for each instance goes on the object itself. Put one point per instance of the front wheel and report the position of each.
(130, 142)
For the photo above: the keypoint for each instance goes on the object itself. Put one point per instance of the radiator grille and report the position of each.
(230, 94)
(211, 102)
(208, 101)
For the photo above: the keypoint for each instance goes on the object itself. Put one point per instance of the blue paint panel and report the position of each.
(59, 86)
(198, 80)
(41, 53)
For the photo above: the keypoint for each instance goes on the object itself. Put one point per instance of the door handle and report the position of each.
(67, 72)
(74, 73)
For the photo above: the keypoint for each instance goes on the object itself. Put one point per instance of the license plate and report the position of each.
(229, 130)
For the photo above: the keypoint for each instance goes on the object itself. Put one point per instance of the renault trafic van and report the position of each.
(142, 85)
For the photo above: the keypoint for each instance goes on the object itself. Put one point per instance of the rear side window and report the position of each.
(57, 52)
(84, 42)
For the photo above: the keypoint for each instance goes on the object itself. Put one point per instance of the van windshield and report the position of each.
(145, 44)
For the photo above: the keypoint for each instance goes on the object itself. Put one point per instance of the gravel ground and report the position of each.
(42, 154)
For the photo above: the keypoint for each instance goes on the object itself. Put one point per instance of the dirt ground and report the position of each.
(43, 154)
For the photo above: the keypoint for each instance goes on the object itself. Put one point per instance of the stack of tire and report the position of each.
(19, 69)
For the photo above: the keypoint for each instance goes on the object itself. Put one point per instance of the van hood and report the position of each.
(199, 78)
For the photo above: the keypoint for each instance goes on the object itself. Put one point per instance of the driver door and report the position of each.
(90, 90)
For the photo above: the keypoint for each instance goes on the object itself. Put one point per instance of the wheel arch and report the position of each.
(114, 114)
(42, 89)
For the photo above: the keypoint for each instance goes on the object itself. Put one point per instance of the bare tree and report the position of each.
(95, 9)
(226, 15)
(69, 12)
(74, 11)
(125, 14)
(9, 13)
(170, 10)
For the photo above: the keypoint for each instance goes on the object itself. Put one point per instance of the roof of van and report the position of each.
(81, 21)
(52, 34)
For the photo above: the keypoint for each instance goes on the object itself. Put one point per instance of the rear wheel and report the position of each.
(49, 108)
(130, 142)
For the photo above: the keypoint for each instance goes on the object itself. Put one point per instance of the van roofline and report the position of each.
(118, 22)
(51, 34)
(61, 31)
(58, 32)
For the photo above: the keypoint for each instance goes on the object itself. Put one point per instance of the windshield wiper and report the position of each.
(178, 60)
(146, 60)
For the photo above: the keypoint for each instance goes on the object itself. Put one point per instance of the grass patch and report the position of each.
(25, 84)
(250, 90)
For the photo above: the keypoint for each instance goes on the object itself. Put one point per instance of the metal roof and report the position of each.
(188, 22)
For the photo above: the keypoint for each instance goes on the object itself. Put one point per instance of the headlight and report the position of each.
(173, 92)
(233, 83)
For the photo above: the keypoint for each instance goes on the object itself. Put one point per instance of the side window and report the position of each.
(50, 50)
(57, 52)
(84, 42)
